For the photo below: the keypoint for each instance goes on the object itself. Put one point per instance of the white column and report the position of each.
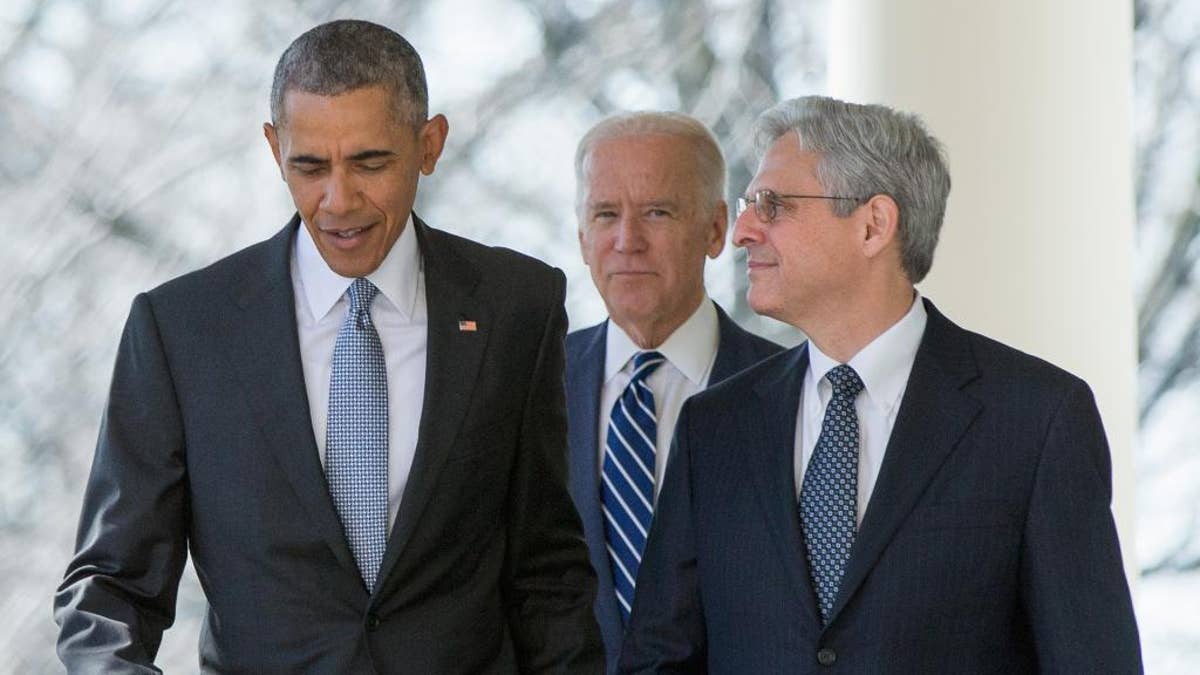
(1032, 99)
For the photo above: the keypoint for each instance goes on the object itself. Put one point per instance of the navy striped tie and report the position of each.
(627, 477)
(356, 434)
(829, 492)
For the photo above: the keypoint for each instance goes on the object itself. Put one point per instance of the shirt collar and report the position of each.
(396, 277)
(691, 348)
(885, 363)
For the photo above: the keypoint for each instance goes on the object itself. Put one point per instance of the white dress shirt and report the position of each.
(883, 366)
(690, 352)
(398, 313)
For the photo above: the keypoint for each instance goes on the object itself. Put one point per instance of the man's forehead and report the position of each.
(374, 104)
(786, 159)
(301, 100)
(639, 185)
(639, 161)
(648, 147)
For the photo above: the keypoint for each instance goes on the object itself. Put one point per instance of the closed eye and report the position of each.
(308, 169)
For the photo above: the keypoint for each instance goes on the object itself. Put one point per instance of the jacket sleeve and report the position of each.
(118, 594)
(548, 579)
(1072, 580)
(666, 628)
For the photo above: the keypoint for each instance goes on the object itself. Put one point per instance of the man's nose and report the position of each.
(630, 237)
(747, 228)
(341, 193)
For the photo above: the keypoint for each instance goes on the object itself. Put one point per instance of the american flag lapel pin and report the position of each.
(465, 326)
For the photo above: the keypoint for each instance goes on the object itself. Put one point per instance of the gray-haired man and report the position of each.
(896, 495)
(356, 428)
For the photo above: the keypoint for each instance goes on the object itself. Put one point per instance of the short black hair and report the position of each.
(340, 56)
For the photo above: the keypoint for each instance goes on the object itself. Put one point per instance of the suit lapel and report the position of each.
(771, 435)
(266, 359)
(933, 416)
(585, 379)
(452, 361)
(733, 353)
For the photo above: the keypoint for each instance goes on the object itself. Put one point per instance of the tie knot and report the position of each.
(362, 292)
(846, 383)
(644, 364)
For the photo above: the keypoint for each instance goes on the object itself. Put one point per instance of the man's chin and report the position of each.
(635, 313)
(764, 306)
(351, 267)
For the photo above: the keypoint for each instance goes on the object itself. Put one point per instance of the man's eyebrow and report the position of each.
(356, 157)
(371, 154)
(307, 159)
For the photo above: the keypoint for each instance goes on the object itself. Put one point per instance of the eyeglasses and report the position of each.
(767, 202)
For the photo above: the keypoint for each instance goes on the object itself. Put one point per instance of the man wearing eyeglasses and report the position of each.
(650, 200)
(897, 494)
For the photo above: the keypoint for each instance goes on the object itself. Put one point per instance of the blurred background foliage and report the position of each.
(133, 152)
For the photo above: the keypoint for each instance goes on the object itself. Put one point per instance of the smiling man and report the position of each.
(356, 428)
(651, 206)
(897, 494)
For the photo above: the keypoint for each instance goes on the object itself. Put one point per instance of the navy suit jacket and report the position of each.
(737, 349)
(988, 545)
(207, 447)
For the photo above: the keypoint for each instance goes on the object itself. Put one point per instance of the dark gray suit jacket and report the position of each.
(988, 545)
(737, 349)
(207, 446)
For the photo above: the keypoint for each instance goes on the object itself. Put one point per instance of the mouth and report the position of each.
(346, 238)
(756, 265)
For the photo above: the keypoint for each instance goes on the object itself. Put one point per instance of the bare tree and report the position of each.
(1167, 33)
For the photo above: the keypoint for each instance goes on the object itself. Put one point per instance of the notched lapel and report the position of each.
(458, 331)
(266, 359)
(772, 432)
(585, 379)
(732, 354)
(933, 417)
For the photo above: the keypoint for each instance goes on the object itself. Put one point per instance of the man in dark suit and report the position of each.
(896, 495)
(357, 427)
(650, 199)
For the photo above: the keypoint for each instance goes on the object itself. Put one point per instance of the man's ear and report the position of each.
(717, 229)
(432, 140)
(583, 246)
(881, 217)
(273, 140)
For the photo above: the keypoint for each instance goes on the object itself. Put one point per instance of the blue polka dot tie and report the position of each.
(356, 435)
(829, 493)
(627, 477)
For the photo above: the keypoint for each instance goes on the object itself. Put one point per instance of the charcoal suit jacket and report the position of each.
(737, 349)
(207, 447)
(987, 546)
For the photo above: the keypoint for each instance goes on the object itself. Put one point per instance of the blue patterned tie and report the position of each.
(627, 477)
(356, 436)
(829, 493)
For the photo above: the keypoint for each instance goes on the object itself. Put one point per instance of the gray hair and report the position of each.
(867, 150)
(708, 165)
(340, 56)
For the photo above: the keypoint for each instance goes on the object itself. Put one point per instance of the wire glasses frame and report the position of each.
(767, 202)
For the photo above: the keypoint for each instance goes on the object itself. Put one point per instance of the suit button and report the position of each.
(826, 657)
(372, 622)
